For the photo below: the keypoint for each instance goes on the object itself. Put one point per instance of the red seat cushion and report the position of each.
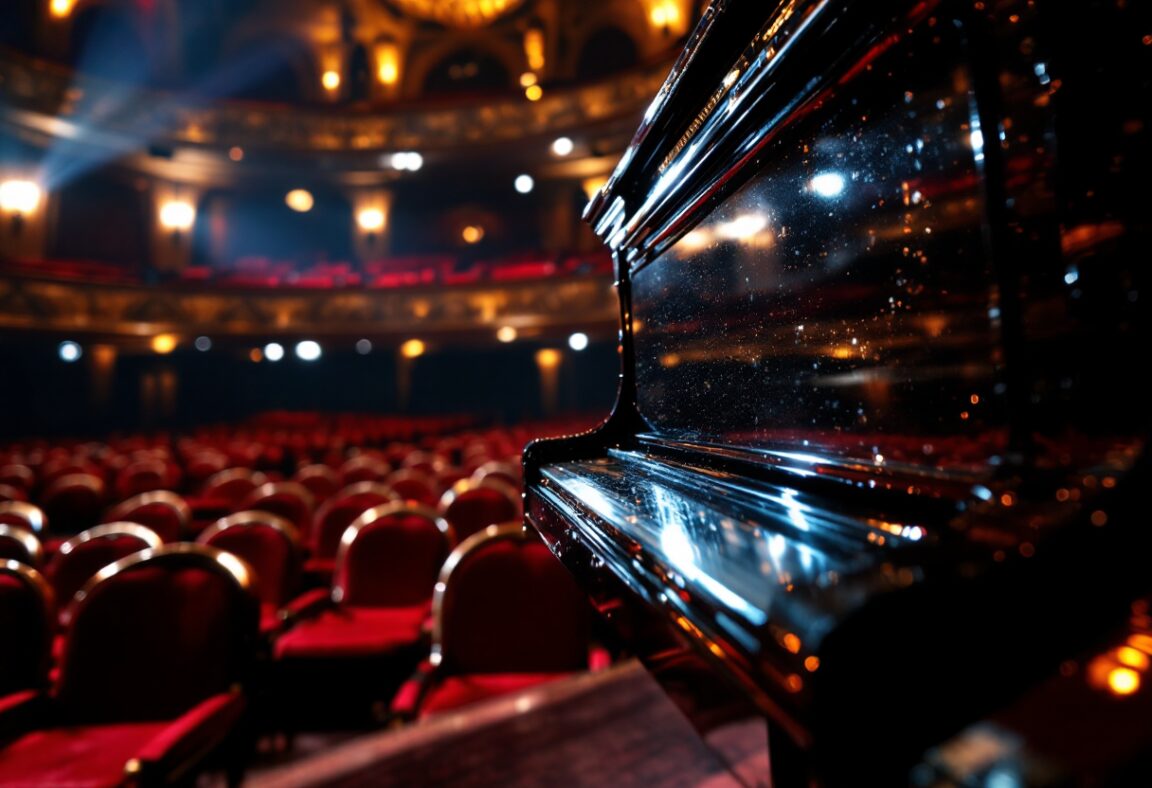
(456, 691)
(353, 632)
(81, 757)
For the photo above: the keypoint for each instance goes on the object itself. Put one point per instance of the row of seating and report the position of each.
(155, 665)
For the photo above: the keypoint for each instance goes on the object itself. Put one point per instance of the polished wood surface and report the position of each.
(616, 728)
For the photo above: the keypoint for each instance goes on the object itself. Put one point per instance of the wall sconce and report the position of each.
(177, 216)
(371, 221)
(664, 15)
(534, 47)
(61, 9)
(388, 63)
(20, 199)
(330, 79)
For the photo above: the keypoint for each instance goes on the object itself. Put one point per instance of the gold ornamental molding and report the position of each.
(140, 311)
(458, 13)
(59, 103)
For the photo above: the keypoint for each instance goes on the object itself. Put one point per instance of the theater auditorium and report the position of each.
(574, 392)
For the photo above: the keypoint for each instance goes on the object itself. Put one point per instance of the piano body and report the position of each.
(877, 467)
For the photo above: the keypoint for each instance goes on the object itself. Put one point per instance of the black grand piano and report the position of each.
(878, 469)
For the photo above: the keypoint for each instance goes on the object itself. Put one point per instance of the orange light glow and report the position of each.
(548, 358)
(330, 80)
(256, 355)
(413, 348)
(792, 643)
(528, 79)
(1132, 658)
(164, 343)
(812, 664)
(387, 64)
(534, 48)
(1123, 681)
(534, 92)
(472, 234)
(61, 9)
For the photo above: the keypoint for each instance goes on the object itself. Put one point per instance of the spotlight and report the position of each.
(578, 341)
(273, 351)
(203, 344)
(524, 183)
(828, 185)
(562, 146)
(308, 350)
(407, 160)
(69, 351)
(371, 220)
(19, 197)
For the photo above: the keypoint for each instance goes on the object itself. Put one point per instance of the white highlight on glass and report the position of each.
(828, 185)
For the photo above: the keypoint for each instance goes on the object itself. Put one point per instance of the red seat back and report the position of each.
(26, 621)
(413, 485)
(164, 512)
(320, 480)
(508, 606)
(334, 517)
(20, 544)
(73, 502)
(268, 544)
(472, 507)
(87, 553)
(288, 500)
(156, 633)
(390, 557)
(232, 484)
(24, 515)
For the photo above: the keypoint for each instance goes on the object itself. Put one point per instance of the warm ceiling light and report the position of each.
(524, 183)
(472, 234)
(371, 220)
(330, 80)
(528, 79)
(163, 343)
(18, 196)
(548, 358)
(177, 215)
(61, 8)
(506, 334)
(299, 200)
(562, 146)
(458, 13)
(534, 92)
(664, 13)
(413, 348)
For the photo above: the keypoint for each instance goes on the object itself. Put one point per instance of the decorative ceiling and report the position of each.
(458, 13)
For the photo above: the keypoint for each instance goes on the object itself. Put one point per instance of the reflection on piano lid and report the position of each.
(875, 464)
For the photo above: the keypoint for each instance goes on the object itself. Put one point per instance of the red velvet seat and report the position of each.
(507, 616)
(507, 472)
(412, 485)
(334, 517)
(354, 644)
(26, 604)
(271, 548)
(288, 500)
(364, 468)
(146, 687)
(73, 502)
(85, 554)
(164, 512)
(18, 475)
(471, 506)
(201, 465)
(232, 484)
(20, 544)
(320, 480)
(145, 475)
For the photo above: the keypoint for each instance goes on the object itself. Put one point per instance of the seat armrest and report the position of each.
(307, 605)
(187, 739)
(405, 705)
(21, 712)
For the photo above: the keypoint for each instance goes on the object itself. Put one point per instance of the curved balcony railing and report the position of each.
(71, 99)
(133, 310)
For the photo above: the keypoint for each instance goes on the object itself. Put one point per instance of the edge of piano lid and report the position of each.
(876, 464)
